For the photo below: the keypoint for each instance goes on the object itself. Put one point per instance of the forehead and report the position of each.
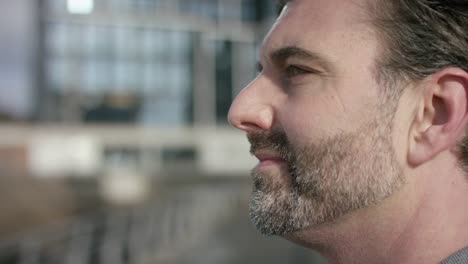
(321, 25)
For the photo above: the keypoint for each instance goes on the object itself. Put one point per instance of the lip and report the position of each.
(268, 158)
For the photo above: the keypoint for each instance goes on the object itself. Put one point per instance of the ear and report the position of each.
(441, 116)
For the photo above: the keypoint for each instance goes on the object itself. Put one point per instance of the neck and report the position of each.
(422, 223)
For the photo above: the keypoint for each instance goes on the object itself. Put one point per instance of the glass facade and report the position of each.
(126, 50)
(223, 79)
(95, 61)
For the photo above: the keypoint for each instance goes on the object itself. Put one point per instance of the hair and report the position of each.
(419, 38)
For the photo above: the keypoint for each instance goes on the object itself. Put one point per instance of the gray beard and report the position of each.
(341, 174)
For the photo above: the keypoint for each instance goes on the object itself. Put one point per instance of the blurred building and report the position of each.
(150, 66)
(112, 90)
(17, 52)
(148, 62)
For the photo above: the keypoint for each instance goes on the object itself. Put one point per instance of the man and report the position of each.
(358, 120)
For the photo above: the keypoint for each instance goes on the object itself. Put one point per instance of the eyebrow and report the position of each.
(281, 55)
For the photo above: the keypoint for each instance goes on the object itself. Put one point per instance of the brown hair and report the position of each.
(421, 37)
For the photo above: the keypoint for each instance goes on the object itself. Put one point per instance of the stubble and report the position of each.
(325, 180)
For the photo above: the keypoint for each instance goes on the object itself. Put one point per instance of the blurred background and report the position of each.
(114, 143)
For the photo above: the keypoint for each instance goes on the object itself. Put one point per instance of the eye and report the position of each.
(259, 67)
(293, 70)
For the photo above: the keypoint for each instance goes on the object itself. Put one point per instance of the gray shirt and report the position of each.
(459, 257)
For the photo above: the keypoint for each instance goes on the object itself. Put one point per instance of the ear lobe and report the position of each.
(442, 116)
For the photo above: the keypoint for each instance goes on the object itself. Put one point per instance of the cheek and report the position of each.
(306, 122)
(324, 108)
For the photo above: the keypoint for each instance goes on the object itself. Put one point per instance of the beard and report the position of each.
(323, 181)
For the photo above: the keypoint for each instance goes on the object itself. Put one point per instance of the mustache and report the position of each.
(274, 140)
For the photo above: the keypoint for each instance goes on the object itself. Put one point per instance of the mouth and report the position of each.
(268, 158)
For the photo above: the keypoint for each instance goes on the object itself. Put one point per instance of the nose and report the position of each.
(252, 109)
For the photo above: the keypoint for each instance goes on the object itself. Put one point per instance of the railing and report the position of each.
(157, 232)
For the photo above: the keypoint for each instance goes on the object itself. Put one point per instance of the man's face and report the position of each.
(317, 120)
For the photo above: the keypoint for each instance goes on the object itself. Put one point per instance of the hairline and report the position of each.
(388, 80)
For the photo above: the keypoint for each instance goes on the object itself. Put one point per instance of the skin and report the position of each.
(311, 99)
